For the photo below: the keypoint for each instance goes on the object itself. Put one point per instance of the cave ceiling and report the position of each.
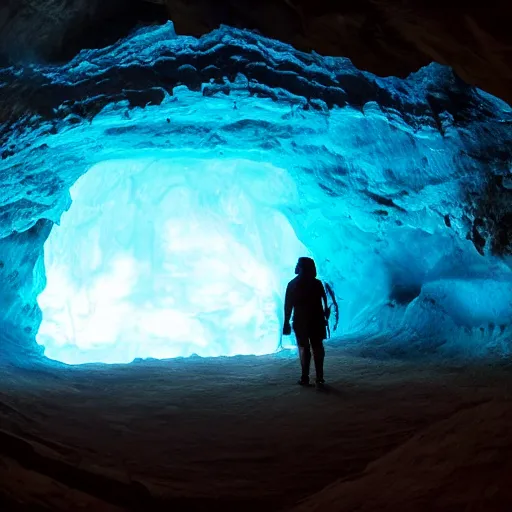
(386, 37)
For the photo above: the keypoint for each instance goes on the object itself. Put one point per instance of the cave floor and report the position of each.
(236, 433)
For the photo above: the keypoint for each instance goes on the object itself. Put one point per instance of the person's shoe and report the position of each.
(320, 383)
(303, 382)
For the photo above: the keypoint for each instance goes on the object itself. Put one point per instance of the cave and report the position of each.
(156, 194)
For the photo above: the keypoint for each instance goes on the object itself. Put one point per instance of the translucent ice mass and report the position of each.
(166, 258)
(157, 193)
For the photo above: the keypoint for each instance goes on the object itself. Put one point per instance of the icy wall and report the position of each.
(400, 189)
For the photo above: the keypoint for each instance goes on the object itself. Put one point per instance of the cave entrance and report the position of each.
(167, 258)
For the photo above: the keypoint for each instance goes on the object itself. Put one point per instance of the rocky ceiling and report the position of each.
(386, 37)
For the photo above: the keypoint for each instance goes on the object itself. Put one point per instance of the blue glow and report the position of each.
(163, 259)
(200, 169)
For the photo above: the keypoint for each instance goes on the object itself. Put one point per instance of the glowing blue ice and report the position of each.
(168, 258)
(206, 166)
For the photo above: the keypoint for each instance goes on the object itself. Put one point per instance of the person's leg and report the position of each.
(318, 356)
(304, 355)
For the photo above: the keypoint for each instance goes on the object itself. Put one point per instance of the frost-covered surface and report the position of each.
(398, 188)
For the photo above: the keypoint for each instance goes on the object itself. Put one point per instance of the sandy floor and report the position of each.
(239, 434)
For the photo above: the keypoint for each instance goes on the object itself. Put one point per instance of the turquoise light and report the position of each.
(167, 258)
(180, 179)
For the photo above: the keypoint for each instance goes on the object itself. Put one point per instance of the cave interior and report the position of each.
(157, 189)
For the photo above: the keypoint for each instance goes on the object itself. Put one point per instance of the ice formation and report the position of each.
(166, 258)
(187, 175)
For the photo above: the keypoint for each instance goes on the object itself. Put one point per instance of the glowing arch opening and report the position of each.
(168, 258)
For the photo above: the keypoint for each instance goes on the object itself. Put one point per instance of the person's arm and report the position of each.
(288, 308)
(288, 304)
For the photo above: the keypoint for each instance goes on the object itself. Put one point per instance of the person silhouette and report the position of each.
(306, 298)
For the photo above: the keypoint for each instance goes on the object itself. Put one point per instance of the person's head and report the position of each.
(306, 267)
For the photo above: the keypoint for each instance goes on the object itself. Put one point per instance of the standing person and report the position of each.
(305, 296)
